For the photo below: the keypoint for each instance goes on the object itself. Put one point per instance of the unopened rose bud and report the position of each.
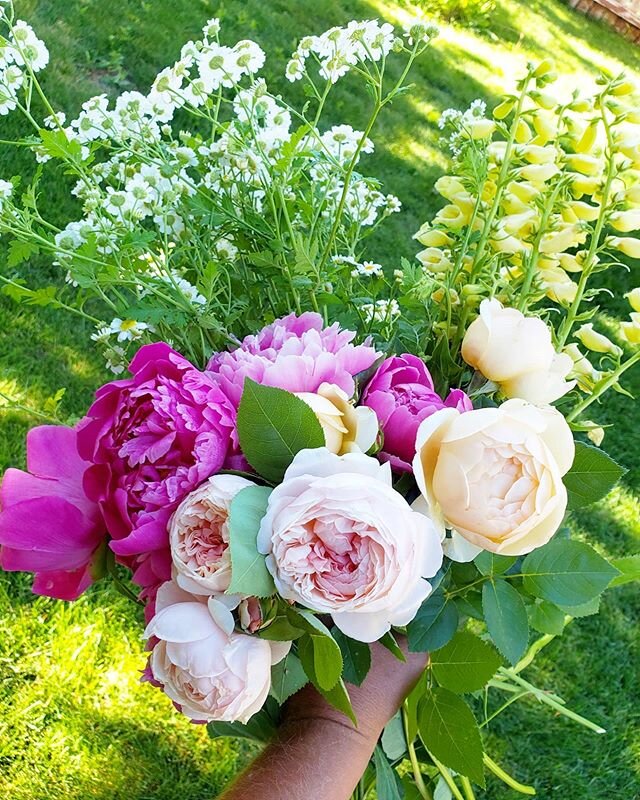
(595, 341)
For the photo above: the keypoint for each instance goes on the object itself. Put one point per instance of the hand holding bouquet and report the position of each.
(283, 495)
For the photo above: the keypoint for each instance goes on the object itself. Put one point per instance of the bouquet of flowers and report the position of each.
(311, 451)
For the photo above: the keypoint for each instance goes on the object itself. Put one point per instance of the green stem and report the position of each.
(467, 788)
(13, 404)
(611, 381)
(448, 778)
(497, 770)
(413, 758)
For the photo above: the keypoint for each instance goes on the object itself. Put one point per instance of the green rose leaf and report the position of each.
(287, 678)
(281, 630)
(465, 664)
(274, 425)
(629, 568)
(506, 618)
(388, 641)
(260, 728)
(434, 625)
(356, 657)
(566, 573)
(318, 651)
(584, 609)
(449, 730)
(249, 573)
(592, 475)
(339, 698)
(493, 564)
(546, 618)
(388, 785)
(393, 740)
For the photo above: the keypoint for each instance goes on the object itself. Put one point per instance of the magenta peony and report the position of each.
(401, 393)
(295, 353)
(47, 523)
(153, 438)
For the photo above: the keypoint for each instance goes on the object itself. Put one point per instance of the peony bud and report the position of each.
(595, 341)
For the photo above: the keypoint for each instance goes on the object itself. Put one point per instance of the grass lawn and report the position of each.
(74, 721)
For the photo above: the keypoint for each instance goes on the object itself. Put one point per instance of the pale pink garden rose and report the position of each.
(517, 353)
(341, 541)
(494, 475)
(209, 670)
(199, 535)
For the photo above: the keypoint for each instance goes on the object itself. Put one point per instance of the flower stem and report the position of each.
(611, 380)
(497, 770)
(413, 758)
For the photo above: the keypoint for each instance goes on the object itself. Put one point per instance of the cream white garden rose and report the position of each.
(199, 535)
(340, 540)
(517, 353)
(207, 668)
(494, 475)
(346, 429)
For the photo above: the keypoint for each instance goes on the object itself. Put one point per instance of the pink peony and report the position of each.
(153, 438)
(47, 523)
(340, 540)
(401, 393)
(294, 353)
(210, 671)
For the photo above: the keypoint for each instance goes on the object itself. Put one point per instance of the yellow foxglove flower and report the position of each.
(482, 128)
(632, 194)
(520, 225)
(584, 163)
(588, 138)
(504, 243)
(625, 87)
(537, 154)
(595, 341)
(503, 110)
(434, 260)
(634, 298)
(538, 173)
(523, 132)
(448, 186)
(582, 105)
(496, 151)
(631, 330)
(584, 211)
(432, 237)
(545, 125)
(524, 190)
(558, 285)
(628, 245)
(574, 263)
(544, 68)
(625, 221)
(583, 184)
(453, 217)
(544, 100)
(561, 240)
(489, 191)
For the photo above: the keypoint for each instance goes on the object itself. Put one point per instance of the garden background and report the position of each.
(75, 722)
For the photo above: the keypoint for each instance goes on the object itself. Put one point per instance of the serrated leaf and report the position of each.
(506, 618)
(20, 252)
(591, 477)
(566, 573)
(249, 573)
(546, 618)
(584, 609)
(274, 425)
(356, 657)
(492, 564)
(280, 630)
(629, 568)
(318, 652)
(389, 643)
(449, 730)
(388, 786)
(339, 698)
(56, 144)
(465, 664)
(434, 624)
(287, 678)
(393, 740)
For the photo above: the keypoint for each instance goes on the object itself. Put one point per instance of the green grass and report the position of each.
(74, 720)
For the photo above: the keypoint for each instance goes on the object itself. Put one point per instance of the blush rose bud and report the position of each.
(516, 352)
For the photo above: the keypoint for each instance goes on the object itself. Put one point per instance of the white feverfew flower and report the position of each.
(341, 141)
(56, 120)
(7, 102)
(189, 291)
(12, 79)
(116, 360)
(344, 261)
(226, 249)
(381, 310)
(250, 56)
(211, 28)
(420, 31)
(218, 66)
(127, 329)
(6, 190)
(294, 70)
(392, 204)
(102, 333)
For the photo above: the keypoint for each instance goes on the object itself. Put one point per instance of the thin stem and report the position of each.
(413, 758)
(448, 778)
(13, 404)
(467, 788)
(497, 770)
(611, 381)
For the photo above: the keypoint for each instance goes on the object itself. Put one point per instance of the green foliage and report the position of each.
(274, 425)
(249, 573)
(506, 618)
(546, 618)
(388, 785)
(465, 664)
(356, 657)
(260, 728)
(434, 624)
(287, 678)
(449, 730)
(592, 475)
(566, 573)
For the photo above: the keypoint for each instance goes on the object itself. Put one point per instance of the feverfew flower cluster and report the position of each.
(22, 52)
